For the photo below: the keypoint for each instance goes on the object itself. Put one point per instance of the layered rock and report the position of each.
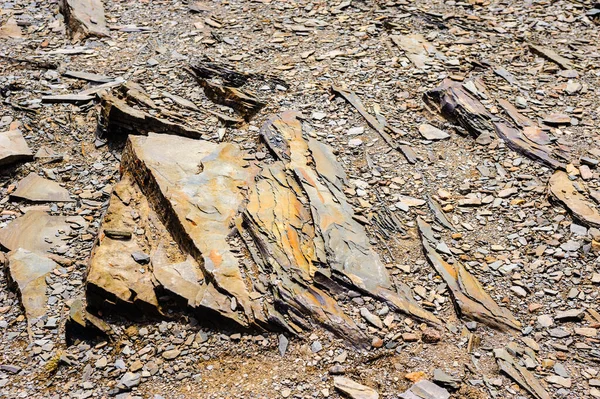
(263, 246)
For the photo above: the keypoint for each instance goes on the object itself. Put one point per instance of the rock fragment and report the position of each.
(425, 389)
(38, 189)
(84, 18)
(430, 132)
(28, 271)
(458, 104)
(13, 148)
(511, 367)
(563, 190)
(36, 231)
(353, 389)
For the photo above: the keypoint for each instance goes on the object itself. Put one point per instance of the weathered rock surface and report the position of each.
(13, 148)
(470, 299)
(84, 18)
(36, 188)
(28, 272)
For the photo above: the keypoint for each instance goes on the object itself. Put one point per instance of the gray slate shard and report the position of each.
(13, 148)
(425, 389)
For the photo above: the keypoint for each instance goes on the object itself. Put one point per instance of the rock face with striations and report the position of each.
(253, 243)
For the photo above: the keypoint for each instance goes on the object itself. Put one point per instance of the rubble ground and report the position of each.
(299, 199)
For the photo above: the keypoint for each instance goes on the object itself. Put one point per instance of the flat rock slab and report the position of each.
(353, 389)
(84, 18)
(430, 132)
(563, 190)
(28, 272)
(36, 188)
(418, 50)
(35, 231)
(13, 148)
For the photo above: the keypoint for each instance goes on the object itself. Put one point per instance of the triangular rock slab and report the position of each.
(35, 231)
(28, 270)
(37, 189)
(343, 243)
(563, 190)
(13, 148)
(469, 297)
(198, 187)
(84, 17)
(116, 279)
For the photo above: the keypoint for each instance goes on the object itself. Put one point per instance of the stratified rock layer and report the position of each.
(245, 241)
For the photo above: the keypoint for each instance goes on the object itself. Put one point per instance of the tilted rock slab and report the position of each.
(469, 298)
(13, 148)
(262, 246)
(84, 18)
(563, 190)
(459, 105)
(342, 242)
(28, 270)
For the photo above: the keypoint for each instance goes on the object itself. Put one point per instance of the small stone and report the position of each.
(171, 354)
(353, 389)
(430, 132)
(415, 376)
(545, 320)
(371, 318)
(283, 344)
(431, 335)
(558, 380)
(316, 347)
(410, 337)
(130, 380)
(141, 257)
(586, 332)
